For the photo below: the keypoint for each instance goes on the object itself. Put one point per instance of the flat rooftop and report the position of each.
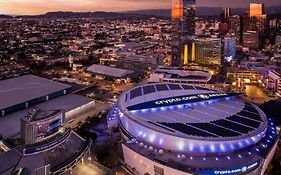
(109, 71)
(66, 103)
(24, 88)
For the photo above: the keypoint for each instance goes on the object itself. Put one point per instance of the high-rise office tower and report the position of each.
(189, 9)
(235, 26)
(256, 9)
(177, 32)
(246, 21)
(229, 47)
(225, 15)
(258, 19)
(183, 26)
(203, 51)
(251, 39)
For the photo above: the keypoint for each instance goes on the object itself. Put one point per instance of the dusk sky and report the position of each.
(41, 6)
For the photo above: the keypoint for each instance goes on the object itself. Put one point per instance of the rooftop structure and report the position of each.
(24, 91)
(54, 157)
(109, 71)
(73, 105)
(179, 75)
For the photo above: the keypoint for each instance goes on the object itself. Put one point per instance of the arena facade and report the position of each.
(184, 129)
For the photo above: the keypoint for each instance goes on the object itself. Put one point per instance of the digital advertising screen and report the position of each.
(49, 127)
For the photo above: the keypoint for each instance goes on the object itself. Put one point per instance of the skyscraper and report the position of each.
(251, 39)
(189, 9)
(177, 32)
(258, 19)
(183, 26)
(203, 51)
(229, 47)
(225, 15)
(256, 9)
(246, 21)
(177, 9)
(235, 26)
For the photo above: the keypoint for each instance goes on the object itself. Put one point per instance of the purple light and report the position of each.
(180, 106)
(204, 158)
(240, 144)
(249, 153)
(228, 157)
(257, 150)
(239, 156)
(191, 158)
(212, 148)
(253, 138)
(160, 141)
(217, 158)
(143, 110)
(222, 147)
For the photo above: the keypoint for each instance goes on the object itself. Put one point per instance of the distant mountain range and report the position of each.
(5, 16)
(60, 14)
(201, 11)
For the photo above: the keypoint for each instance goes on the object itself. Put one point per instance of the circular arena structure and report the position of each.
(184, 129)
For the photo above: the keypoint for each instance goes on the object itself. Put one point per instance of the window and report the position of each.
(158, 170)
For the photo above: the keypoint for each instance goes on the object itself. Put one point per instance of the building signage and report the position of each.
(179, 100)
(230, 171)
(35, 150)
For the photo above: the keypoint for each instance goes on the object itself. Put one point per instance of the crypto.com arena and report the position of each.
(177, 129)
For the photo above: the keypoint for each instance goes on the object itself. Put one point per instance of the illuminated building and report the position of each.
(246, 21)
(258, 19)
(235, 24)
(180, 75)
(225, 15)
(189, 9)
(177, 9)
(256, 9)
(251, 39)
(183, 25)
(274, 81)
(205, 51)
(39, 125)
(48, 148)
(183, 129)
(229, 48)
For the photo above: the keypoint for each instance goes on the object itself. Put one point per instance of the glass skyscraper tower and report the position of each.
(183, 26)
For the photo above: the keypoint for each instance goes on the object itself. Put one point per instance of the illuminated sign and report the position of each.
(179, 100)
(230, 171)
(34, 150)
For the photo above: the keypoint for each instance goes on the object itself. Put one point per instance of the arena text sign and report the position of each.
(178, 100)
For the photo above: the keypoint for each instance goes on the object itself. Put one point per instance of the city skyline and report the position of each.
(31, 7)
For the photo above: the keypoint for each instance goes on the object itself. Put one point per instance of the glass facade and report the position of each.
(204, 51)
(183, 25)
